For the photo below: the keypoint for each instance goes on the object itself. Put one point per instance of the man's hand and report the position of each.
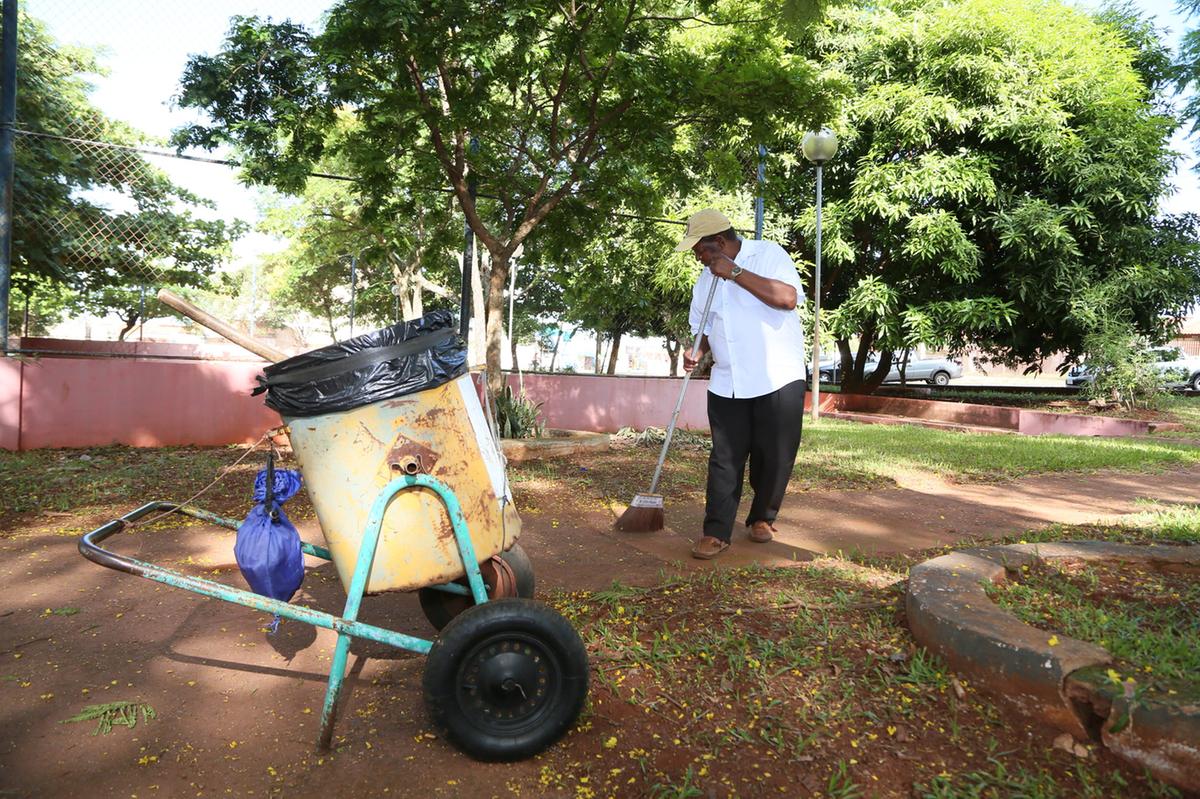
(718, 262)
(689, 363)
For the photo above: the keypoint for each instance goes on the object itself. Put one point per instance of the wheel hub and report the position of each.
(506, 680)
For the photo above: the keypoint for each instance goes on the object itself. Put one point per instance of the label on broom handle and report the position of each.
(647, 501)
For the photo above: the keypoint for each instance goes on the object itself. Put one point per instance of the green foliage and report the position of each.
(1186, 70)
(558, 112)
(998, 158)
(68, 244)
(1153, 639)
(517, 416)
(1123, 370)
(122, 714)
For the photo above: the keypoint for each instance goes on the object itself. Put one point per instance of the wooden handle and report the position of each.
(217, 326)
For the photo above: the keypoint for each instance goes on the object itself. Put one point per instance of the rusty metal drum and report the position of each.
(348, 457)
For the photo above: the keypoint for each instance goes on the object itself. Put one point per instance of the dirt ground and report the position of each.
(237, 709)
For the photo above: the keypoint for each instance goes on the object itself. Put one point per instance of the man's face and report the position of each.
(706, 251)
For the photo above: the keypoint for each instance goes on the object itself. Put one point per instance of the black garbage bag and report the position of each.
(411, 356)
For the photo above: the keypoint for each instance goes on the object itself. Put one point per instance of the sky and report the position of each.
(145, 44)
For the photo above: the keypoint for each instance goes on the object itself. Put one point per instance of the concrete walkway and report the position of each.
(923, 513)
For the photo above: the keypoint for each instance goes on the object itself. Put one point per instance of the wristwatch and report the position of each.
(733, 273)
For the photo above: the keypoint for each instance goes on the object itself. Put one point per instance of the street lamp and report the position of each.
(818, 147)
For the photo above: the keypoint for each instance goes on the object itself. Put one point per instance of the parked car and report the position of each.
(1178, 370)
(935, 371)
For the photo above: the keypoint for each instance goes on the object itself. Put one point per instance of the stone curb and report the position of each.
(950, 614)
(558, 445)
(1064, 685)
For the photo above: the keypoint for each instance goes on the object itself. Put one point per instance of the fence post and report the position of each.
(353, 280)
(758, 201)
(464, 312)
(8, 118)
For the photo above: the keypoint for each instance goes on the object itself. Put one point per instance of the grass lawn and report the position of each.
(834, 455)
(884, 451)
(805, 680)
(1149, 621)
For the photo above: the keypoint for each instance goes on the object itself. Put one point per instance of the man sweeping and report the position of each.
(756, 390)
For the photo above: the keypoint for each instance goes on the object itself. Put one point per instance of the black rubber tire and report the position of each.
(1195, 382)
(940, 379)
(506, 679)
(440, 607)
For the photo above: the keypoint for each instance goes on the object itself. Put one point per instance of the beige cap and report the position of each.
(701, 224)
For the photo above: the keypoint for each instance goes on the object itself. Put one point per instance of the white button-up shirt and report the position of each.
(756, 348)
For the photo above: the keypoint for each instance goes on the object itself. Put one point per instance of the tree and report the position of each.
(65, 234)
(401, 248)
(999, 157)
(535, 103)
(1186, 71)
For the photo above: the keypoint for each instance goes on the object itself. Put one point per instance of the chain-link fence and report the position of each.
(106, 211)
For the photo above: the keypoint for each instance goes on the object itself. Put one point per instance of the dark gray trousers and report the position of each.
(764, 429)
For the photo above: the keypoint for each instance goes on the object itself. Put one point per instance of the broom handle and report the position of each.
(662, 456)
(259, 348)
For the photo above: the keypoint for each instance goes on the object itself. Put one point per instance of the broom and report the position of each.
(645, 512)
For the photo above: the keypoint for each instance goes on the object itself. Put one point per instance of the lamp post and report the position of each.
(818, 147)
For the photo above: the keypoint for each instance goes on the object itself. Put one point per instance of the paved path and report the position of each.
(927, 512)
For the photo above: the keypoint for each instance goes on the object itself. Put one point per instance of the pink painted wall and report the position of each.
(145, 402)
(603, 404)
(1040, 423)
(960, 412)
(10, 403)
(206, 351)
(81, 402)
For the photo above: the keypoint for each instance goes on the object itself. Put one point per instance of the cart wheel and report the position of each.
(514, 574)
(522, 569)
(506, 679)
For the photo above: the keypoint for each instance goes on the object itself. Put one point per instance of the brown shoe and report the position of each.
(708, 548)
(760, 532)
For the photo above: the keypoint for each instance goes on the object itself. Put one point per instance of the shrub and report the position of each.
(517, 417)
(1123, 370)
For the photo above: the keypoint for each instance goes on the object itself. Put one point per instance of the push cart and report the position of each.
(506, 676)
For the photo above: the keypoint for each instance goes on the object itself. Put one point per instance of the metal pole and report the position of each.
(353, 276)
(758, 201)
(816, 348)
(464, 312)
(253, 295)
(8, 118)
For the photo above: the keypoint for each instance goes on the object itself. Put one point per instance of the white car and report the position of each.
(1177, 369)
(935, 371)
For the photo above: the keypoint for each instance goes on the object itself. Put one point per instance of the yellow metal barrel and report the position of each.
(348, 457)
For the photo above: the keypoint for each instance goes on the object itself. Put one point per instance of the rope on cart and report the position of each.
(224, 472)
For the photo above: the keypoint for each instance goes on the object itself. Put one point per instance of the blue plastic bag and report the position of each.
(268, 547)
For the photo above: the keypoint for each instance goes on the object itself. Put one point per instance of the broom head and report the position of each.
(644, 515)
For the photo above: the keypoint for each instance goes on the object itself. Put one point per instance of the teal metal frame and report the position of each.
(347, 625)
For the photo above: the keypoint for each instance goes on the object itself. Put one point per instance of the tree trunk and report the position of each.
(599, 354)
(495, 322)
(554, 355)
(512, 347)
(612, 355)
(855, 381)
(130, 321)
(673, 348)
